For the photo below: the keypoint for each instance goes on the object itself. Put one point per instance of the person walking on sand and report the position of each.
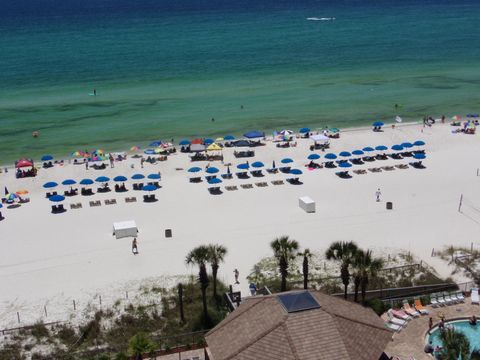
(134, 246)
(110, 157)
(236, 276)
(377, 194)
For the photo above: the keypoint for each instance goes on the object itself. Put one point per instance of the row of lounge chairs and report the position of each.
(399, 318)
(346, 175)
(217, 191)
(99, 203)
(443, 299)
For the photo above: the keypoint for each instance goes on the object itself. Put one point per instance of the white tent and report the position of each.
(320, 138)
(125, 229)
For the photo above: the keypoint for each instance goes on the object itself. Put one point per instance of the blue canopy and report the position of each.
(1, 206)
(102, 179)
(368, 149)
(357, 152)
(229, 137)
(208, 141)
(184, 142)
(149, 188)
(155, 143)
(214, 181)
(149, 152)
(212, 170)
(345, 164)
(154, 176)
(330, 156)
(194, 169)
(313, 157)
(257, 164)
(286, 161)
(304, 130)
(69, 182)
(138, 176)
(419, 143)
(47, 158)
(243, 166)
(381, 148)
(419, 156)
(50, 184)
(56, 198)
(296, 172)
(397, 147)
(120, 178)
(407, 145)
(378, 124)
(86, 182)
(473, 115)
(254, 134)
(345, 154)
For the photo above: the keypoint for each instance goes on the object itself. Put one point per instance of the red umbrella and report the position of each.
(23, 163)
(197, 141)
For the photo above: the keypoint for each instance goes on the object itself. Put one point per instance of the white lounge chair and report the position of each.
(393, 327)
(409, 310)
(441, 300)
(433, 301)
(400, 314)
(475, 297)
(396, 321)
(460, 297)
(448, 299)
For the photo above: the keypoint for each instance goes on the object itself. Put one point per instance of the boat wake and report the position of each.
(321, 19)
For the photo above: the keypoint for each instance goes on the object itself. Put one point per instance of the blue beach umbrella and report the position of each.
(243, 166)
(184, 142)
(368, 149)
(304, 130)
(345, 154)
(378, 124)
(120, 178)
(50, 185)
(154, 176)
(330, 156)
(257, 164)
(254, 134)
(419, 156)
(397, 147)
(102, 179)
(155, 143)
(357, 152)
(69, 182)
(138, 176)
(419, 143)
(286, 161)
(296, 172)
(86, 182)
(212, 170)
(214, 181)
(208, 141)
(345, 165)
(56, 198)
(149, 152)
(407, 145)
(46, 158)
(229, 137)
(381, 148)
(1, 206)
(194, 169)
(313, 157)
(149, 188)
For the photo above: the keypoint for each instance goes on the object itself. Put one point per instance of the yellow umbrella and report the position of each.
(214, 147)
(219, 139)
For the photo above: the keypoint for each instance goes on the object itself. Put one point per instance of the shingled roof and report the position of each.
(261, 328)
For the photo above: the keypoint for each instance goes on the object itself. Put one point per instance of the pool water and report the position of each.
(472, 333)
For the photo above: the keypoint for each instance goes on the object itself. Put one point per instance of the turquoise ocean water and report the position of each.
(164, 68)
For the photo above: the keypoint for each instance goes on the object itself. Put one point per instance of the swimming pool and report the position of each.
(472, 333)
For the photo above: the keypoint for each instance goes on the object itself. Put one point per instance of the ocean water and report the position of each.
(164, 68)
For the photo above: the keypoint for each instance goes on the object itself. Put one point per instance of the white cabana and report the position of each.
(306, 204)
(125, 229)
(320, 138)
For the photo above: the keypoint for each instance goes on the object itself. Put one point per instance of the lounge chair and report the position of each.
(343, 175)
(460, 297)
(409, 310)
(395, 320)
(360, 172)
(246, 186)
(401, 166)
(448, 299)
(474, 297)
(388, 168)
(399, 314)
(130, 199)
(433, 301)
(420, 308)
(294, 181)
(215, 190)
(277, 182)
(441, 301)
(375, 170)
(272, 171)
(393, 327)
(231, 188)
(227, 176)
(261, 184)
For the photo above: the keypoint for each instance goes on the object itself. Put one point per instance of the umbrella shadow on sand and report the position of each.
(13, 206)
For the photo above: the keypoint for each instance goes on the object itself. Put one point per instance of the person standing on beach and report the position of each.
(134, 246)
(377, 194)
(86, 164)
(236, 276)
(110, 157)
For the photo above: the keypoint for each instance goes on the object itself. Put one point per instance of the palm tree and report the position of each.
(284, 250)
(306, 257)
(216, 255)
(344, 253)
(140, 344)
(199, 256)
(475, 355)
(366, 267)
(455, 345)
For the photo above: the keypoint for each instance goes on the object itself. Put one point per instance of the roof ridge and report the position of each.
(261, 336)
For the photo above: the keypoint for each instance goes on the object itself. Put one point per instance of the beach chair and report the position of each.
(441, 301)
(261, 184)
(231, 188)
(448, 299)
(246, 186)
(475, 297)
(433, 301)
(409, 310)
(395, 320)
(394, 327)
(460, 296)
(277, 182)
(399, 314)
(420, 308)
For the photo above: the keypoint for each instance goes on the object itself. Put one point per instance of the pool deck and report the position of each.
(409, 342)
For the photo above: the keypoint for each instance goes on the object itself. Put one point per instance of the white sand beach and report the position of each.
(68, 256)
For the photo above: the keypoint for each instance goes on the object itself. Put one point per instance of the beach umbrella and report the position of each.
(419, 156)
(76, 153)
(50, 184)
(286, 161)
(334, 130)
(304, 130)
(229, 137)
(1, 206)
(46, 158)
(197, 141)
(313, 157)
(56, 198)
(419, 143)
(257, 164)
(21, 192)
(166, 145)
(86, 182)
(330, 156)
(120, 178)
(184, 142)
(286, 132)
(407, 145)
(11, 196)
(397, 147)
(357, 152)
(243, 166)
(212, 170)
(214, 181)
(254, 134)
(155, 143)
(23, 163)
(102, 179)
(149, 188)
(381, 148)
(296, 172)
(138, 176)
(194, 169)
(214, 147)
(345, 154)
(135, 148)
(69, 182)
(368, 149)
(378, 124)
(219, 139)
(208, 141)
(345, 165)
(456, 118)
(154, 176)
(149, 152)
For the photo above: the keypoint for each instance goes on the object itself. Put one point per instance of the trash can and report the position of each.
(389, 205)
(168, 233)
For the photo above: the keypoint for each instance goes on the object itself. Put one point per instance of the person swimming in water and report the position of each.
(94, 92)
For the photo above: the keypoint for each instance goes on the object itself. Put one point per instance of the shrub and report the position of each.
(378, 306)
